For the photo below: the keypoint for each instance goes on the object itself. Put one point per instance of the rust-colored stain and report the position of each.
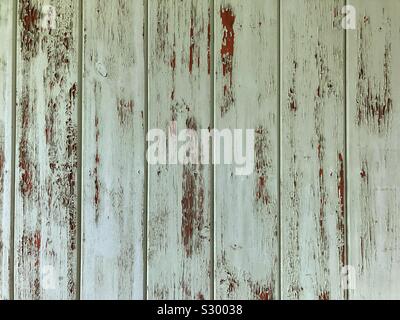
(374, 99)
(54, 196)
(259, 291)
(322, 189)
(125, 110)
(324, 295)
(96, 173)
(70, 175)
(262, 165)
(29, 16)
(292, 90)
(173, 61)
(232, 283)
(186, 291)
(192, 202)
(342, 217)
(364, 171)
(265, 295)
(200, 296)
(50, 119)
(26, 182)
(192, 45)
(30, 246)
(227, 53)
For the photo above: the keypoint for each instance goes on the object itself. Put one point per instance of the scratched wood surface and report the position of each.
(179, 203)
(113, 144)
(373, 147)
(46, 152)
(6, 66)
(246, 97)
(313, 220)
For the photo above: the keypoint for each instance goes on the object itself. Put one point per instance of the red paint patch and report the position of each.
(341, 218)
(324, 295)
(30, 18)
(266, 295)
(363, 174)
(227, 53)
(192, 202)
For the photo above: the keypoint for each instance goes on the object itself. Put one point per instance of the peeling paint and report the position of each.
(227, 54)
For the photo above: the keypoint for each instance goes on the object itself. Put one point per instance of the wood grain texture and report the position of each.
(46, 152)
(313, 152)
(113, 144)
(179, 201)
(6, 69)
(373, 139)
(246, 97)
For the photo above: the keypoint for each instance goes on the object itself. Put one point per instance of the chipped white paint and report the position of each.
(46, 212)
(279, 233)
(113, 144)
(179, 204)
(373, 116)
(246, 96)
(312, 148)
(6, 26)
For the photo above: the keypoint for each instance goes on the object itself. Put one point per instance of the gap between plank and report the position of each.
(212, 111)
(279, 124)
(14, 149)
(80, 152)
(146, 127)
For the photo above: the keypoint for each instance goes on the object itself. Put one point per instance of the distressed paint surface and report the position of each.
(249, 237)
(46, 153)
(6, 26)
(373, 117)
(246, 97)
(313, 220)
(179, 204)
(113, 144)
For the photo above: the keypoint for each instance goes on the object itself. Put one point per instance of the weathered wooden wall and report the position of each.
(83, 214)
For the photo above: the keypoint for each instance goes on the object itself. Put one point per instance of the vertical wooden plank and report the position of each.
(46, 156)
(246, 97)
(313, 159)
(113, 150)
(179, 196)
(6, 67)
(374, 155)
